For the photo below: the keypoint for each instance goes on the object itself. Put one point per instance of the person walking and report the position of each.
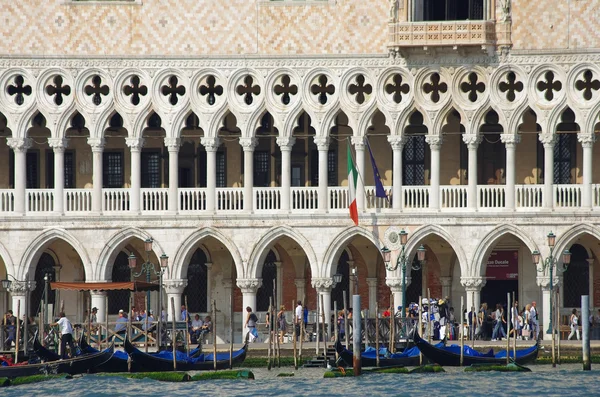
(281, 323)
(250, 324)
(533, 321)
(514, 318)
(66, 335)
(298, 318)
(499, 328)
(574, 322)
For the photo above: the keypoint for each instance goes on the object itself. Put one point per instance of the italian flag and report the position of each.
(352, 181)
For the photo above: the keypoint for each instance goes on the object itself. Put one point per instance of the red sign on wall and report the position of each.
(503, 265)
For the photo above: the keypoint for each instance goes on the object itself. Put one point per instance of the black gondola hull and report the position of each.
(72, 366)
(158, 364)
(451, 359)
(347, 356)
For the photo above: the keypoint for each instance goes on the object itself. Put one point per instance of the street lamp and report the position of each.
(402, 260)
(20, 286)
(149, 269)
(549, 263)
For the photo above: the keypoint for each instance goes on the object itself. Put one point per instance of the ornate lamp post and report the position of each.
(149, 269)
(549, 263)
(402, 260)
(21, 286)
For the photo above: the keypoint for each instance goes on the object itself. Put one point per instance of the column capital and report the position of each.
(395, 283)
(434, 141)
(300, 282)
(372, 282)
(249, 285)
(58, 144)
(396, 141)
(322, 284)
(286, 142)
(174, 286)
(586, 140)
(446, 281)
(544, 282)
(19, 144)
(208, 265)
(473, 283)
(97, 144)
(172, 144)
(20, 287)
(210, 144)
(322, 143)
(358, 142)
(547, 140)
(472, 140)
(97, 293)
(510, 140)
(248, 144)
(135, 144)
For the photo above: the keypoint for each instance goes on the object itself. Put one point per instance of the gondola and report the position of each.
(42, 352)
(163, 361)
(119, 361)
(72, 366)
(408, 358)
(450, 355)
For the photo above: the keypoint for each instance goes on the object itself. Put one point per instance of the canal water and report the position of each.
(566, 380)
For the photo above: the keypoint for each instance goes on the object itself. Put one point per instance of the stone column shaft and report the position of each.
(97, 145)
(359, 147)
(435, 144)
(19, 147)
(472, 141)
(135, 147)
(248, 145)
(587, 143)
(172, 145)
(285, 145)
(510, 143)
(211, 145)
(548, 141)
(397, 144)
(323, 147)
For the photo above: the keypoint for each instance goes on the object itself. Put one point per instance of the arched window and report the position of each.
(119, 299)
(269, 280)
(576, 278)
(45, 265)
(197, 283)
(337, 293)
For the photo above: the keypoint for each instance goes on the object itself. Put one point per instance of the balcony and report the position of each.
(302, 200)
(454, 34)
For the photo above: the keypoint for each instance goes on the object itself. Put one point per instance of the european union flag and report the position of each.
(379, 190)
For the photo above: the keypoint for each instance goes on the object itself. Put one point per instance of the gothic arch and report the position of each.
(406, 114)
(111, 250)
(8, 262)
(487, 243)
(260, 251)
(421, 233)
(554, 119)
(339, 243)
(188, 247)
(479, 117)
(566, 239)
(41, 242)
(443, 114)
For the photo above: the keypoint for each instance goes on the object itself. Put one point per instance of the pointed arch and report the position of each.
(567, 238)
(486, 245)
(188, 246)
(291, 121)
(444, 112)
(481, 113)
(24, 122)
(554, 119)
(407, 113)
(327, 121)
(339, 243)
(422, 232)
(98, 122)
(216, 121)
(36, 248)
(8, 261)
(112, 248)
(517, 117)
(266, 242)
(593, 118)
(64, 122)
(179, 121)
(365, 118)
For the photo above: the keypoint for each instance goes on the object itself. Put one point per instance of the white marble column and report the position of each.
(249, 286)
(173, 145)
(323, 147)
(135, 146)
(99, 301)
(18, 297)
(395, 284)
(548, 142)
(59, 145)
(372, 283)
(211, 145)
(248, 145)
(510, 143)
(473, 286)
(20, 146)
(286, 144)
(300, 289)
(359, 147)
(209, 286)
(587, 144)
(323, 286)
(544, 309)
(472, 141)
(97, 145)
(435, 144)
(397, 144)
(174, 289)
(446, 286)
